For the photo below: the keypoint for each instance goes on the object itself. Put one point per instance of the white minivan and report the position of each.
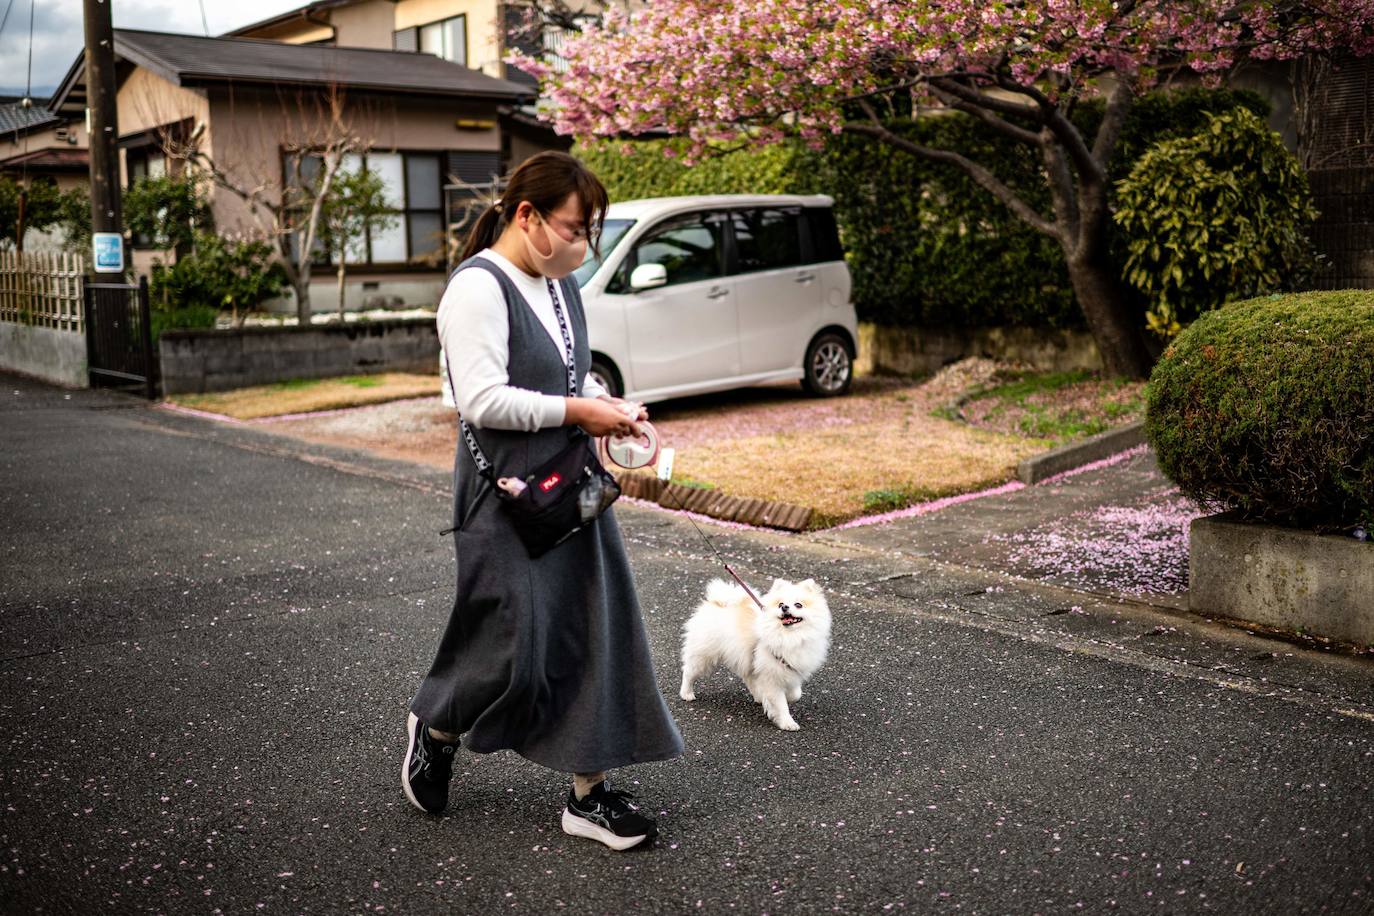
(699, 294)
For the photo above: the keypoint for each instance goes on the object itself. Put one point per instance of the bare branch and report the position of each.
(975, 96)
(1061, 187)
(1063, 129)
(1118, 106)
(982, 176)
(997, 123)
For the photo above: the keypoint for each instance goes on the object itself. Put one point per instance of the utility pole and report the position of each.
(107, 223)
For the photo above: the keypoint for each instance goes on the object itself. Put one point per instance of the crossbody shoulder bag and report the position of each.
(561, 496)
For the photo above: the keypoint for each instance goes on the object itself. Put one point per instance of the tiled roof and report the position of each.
(193, 59)
(54, 160)
(15, 117)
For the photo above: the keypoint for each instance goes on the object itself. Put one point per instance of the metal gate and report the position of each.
(119, 336)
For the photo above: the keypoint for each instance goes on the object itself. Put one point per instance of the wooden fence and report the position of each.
(42, 290)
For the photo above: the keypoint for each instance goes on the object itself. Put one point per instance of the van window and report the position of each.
(689, 248)
(825, 236)
(767, 238)
(612, 231)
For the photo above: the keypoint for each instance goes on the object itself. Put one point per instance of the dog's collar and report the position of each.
(781, 661)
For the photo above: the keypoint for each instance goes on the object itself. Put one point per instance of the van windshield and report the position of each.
(611, 233)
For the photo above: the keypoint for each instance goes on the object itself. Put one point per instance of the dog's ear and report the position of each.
(810, 585)
(779, 583)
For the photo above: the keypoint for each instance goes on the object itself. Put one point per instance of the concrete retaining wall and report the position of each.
(198, 361)
(53, 356)
(920, 351)
(1281, 577)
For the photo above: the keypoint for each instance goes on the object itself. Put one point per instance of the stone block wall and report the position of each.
(44, 353)
(199, 361)
(919, 351)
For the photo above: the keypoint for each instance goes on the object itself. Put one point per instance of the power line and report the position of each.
(205, 23)
(28, 82)
(7, 15)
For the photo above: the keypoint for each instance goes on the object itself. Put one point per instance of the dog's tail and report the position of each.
(722, 593)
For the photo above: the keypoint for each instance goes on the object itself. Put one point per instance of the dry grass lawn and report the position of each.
(308, 395)
(876, 449)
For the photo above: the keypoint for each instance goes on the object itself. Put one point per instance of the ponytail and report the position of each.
(487, 230)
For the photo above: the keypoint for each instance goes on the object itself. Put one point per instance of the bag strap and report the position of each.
(469, 437)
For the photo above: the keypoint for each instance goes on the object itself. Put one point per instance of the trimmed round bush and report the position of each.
(1267, 407)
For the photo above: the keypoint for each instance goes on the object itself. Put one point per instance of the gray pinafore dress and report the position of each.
(547, 657)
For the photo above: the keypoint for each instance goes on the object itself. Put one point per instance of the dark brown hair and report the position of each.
(545, 180)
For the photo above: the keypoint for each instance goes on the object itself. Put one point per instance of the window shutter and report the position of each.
(474, 167)
(406, 40)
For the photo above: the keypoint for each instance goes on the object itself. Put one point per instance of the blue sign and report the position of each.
(109, 252)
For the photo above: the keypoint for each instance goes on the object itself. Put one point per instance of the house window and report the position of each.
(145, 163)
(412, 188)
(447, 38)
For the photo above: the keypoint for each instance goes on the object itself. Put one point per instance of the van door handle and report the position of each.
(805, 278)
(717, 293)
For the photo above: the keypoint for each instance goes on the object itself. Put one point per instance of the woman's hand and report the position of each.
(598, 417)
(640, 411)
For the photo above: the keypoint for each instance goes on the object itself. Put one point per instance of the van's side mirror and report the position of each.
(648, 276)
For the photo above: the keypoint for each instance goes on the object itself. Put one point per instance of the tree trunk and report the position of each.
(1103, 299)
(341, 287)
(299, 277)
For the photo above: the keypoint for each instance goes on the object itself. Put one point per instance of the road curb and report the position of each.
(1076, 454)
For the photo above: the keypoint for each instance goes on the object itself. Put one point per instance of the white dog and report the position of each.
(774, 651)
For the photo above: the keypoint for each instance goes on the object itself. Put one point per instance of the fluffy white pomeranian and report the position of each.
(774, 651)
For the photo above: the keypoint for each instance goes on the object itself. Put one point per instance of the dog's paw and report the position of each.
(789, 725)
(687, 695)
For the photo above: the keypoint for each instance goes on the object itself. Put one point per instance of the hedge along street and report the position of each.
(904, 221)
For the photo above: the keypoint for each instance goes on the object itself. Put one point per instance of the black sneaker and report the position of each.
(605, 816)
(427, 768)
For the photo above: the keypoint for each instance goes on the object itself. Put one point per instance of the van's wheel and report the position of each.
(606, 376)
(829, 366)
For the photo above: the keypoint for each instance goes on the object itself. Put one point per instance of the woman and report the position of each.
(546, 656)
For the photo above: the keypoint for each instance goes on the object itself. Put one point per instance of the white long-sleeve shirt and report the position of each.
(474, 337)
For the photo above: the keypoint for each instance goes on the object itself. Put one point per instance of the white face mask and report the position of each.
(562, 257)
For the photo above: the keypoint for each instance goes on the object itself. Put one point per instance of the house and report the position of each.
(39, 146)
(1323, 107)
(473, 33)
(36, 143)
(244, 102)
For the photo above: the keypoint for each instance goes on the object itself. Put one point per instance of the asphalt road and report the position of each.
(209, 637)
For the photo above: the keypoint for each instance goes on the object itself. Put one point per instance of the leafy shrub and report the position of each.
(45, 207)
(195, 316)
(165, 211)
(1267, 406)
(1223, 214)
(925, 244)
(218, 274)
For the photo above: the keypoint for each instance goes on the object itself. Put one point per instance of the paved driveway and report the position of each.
(210, 637)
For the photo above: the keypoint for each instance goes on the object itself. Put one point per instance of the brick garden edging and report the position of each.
(759, 512)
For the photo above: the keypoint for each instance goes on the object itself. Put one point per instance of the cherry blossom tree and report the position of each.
(717, 74)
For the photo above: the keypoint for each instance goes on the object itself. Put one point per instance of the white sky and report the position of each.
(58, 31)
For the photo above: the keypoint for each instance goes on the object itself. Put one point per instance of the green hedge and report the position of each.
(1267, 406)
(926, 245)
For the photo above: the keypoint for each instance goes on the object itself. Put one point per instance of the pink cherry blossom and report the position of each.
(709, 70)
